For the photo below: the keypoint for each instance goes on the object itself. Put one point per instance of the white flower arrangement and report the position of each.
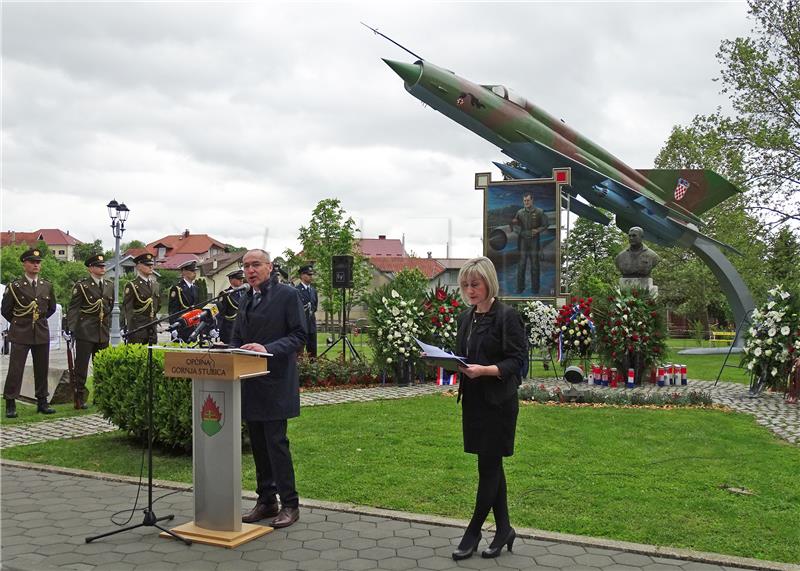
(397, 324)
(773, 340)
(541, 320)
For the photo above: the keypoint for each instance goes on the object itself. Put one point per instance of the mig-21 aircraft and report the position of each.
(666, 203)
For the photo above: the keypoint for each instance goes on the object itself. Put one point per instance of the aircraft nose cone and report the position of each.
(410, 72)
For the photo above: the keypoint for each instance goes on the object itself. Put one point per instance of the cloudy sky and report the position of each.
(236, 119)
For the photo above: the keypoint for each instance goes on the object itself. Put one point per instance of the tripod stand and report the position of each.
(346, 344)
(150, 518)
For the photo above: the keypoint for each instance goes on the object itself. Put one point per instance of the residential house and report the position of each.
(215, 271)
(61, 244)
(382, 247)
(173, 250)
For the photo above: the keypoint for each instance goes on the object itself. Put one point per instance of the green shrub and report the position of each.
(540, 393)
(324, 372)
(120, 385)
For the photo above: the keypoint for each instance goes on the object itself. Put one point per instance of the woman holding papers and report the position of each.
(491, 337)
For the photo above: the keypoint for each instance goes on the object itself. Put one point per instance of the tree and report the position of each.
(125, 246)
(784, 258)
(85, 251)
(761, 76)
(686, 285)
(591, 248)
(330, 233)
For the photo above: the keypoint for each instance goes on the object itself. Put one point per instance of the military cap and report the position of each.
(190, 266)
(146, 259)
(236, 275)
(307, 270)
(32, 255)
(280, 270)
(96, 260)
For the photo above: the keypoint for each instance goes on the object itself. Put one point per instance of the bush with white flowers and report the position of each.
(773, 339)
(395, 324)
(541, 321)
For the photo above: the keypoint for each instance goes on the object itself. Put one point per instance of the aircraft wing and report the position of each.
(692, 229)
(585, 174)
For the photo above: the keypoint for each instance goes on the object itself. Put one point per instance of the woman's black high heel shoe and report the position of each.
(493, 551)
(466, 552)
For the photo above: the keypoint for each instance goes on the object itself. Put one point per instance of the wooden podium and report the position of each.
(216, 441)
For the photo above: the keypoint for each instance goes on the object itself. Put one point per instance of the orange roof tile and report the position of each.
(429, 267)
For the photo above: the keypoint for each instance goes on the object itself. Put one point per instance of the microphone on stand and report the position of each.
(188, 319)
(206, 319)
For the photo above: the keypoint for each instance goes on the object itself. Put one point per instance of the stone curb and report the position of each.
(530, 533)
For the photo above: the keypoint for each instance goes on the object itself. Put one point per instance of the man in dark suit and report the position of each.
(89, 320)
(308, 295)
(182, 296)
(271, 320)
(229, 306)
(140, 302)
(27, 303)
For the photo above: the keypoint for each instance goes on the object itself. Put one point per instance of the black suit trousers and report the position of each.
(274, 469)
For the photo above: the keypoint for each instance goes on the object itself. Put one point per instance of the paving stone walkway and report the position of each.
(47, 515)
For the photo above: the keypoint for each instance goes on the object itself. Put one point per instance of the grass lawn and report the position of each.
(643, 475)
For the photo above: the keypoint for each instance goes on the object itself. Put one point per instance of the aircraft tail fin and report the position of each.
(694, 190)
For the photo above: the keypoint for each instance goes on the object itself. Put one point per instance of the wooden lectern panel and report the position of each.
(219, 366)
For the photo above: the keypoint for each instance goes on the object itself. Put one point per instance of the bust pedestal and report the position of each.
(642, 283)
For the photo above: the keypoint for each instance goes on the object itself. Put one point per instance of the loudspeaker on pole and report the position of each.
(342, 272)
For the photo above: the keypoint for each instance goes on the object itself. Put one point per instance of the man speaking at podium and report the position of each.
(271, 320)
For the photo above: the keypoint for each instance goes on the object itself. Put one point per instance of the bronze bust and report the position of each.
(638, 260)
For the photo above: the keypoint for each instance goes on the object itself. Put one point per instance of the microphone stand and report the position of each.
(150, 518)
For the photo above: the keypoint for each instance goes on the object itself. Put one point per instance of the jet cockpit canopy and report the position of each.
(506, 93)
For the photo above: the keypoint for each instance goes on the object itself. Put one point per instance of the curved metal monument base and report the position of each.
(730, 281)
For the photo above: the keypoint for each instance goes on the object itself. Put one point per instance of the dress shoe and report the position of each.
(286, 517)
(261, 511)
(496, 547)
(79, 404)
(466, 551)
(44, 408)
(11, 408)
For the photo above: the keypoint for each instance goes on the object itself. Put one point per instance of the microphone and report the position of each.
(206, 319)
(188, 319)
(244, 287)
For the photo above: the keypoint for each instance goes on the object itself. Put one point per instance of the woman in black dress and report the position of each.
(492, 338)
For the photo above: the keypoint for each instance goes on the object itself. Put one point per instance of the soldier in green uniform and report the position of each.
(229, 305)
(27, 303)
(532, 222)
(89, 321)
(140, 302)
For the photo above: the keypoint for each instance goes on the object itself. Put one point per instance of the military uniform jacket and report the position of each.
(89, 313)
(182, 296)
(27, 310)
(278, 323)
(228, 305)
(528, 221)
(140, 303)
(308, 297)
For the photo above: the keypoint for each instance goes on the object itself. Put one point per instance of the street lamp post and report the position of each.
(119, 214)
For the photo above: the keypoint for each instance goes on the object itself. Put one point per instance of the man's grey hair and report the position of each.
(260, 251)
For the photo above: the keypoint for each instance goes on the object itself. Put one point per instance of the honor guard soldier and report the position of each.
(182, 296)
(229, 305)
(308, 296)
(89, 321)
(27, 303)
(140, 302)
